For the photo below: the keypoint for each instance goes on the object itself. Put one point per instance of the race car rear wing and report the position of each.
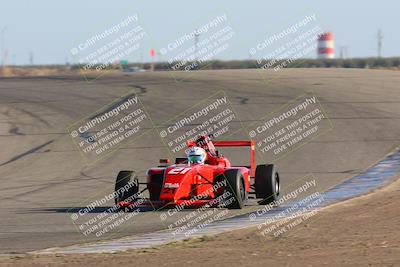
(250, 144)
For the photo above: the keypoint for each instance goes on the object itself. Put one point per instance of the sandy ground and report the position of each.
(358, 232)
(46, 71)
(32, 71)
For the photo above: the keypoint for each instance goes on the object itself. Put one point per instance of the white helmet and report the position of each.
(196, 155)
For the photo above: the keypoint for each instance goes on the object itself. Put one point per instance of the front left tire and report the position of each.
(126, 186)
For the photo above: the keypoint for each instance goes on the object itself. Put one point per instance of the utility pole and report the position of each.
(343, 51)
(2, 46)
(196, 41)
(379, 37)
(31, 58)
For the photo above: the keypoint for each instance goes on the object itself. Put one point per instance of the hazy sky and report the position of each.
(50, 29)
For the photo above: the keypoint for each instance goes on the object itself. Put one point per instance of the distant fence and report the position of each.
(392, 62)
(301, 63)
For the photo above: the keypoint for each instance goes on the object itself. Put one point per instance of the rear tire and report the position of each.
(267, 183)
(235, 189)
(129, 181)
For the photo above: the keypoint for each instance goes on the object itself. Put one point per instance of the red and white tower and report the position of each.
(326, 45)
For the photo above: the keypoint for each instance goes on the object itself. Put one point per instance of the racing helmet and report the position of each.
(196, 155)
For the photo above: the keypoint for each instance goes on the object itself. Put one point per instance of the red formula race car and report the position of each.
(212, 180)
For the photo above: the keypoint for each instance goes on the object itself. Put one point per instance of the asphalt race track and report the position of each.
(43, 175)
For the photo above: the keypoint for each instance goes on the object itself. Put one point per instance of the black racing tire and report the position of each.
(235, 189)
(267, 183)
(129, 181)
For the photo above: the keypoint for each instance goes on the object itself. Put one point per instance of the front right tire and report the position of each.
(267, 183)
(234, 189)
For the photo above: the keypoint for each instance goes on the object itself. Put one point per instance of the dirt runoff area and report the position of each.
(359, 232)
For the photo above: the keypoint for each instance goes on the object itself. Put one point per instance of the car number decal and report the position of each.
(179, 170)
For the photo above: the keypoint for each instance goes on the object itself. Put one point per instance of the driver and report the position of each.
(196, 155)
